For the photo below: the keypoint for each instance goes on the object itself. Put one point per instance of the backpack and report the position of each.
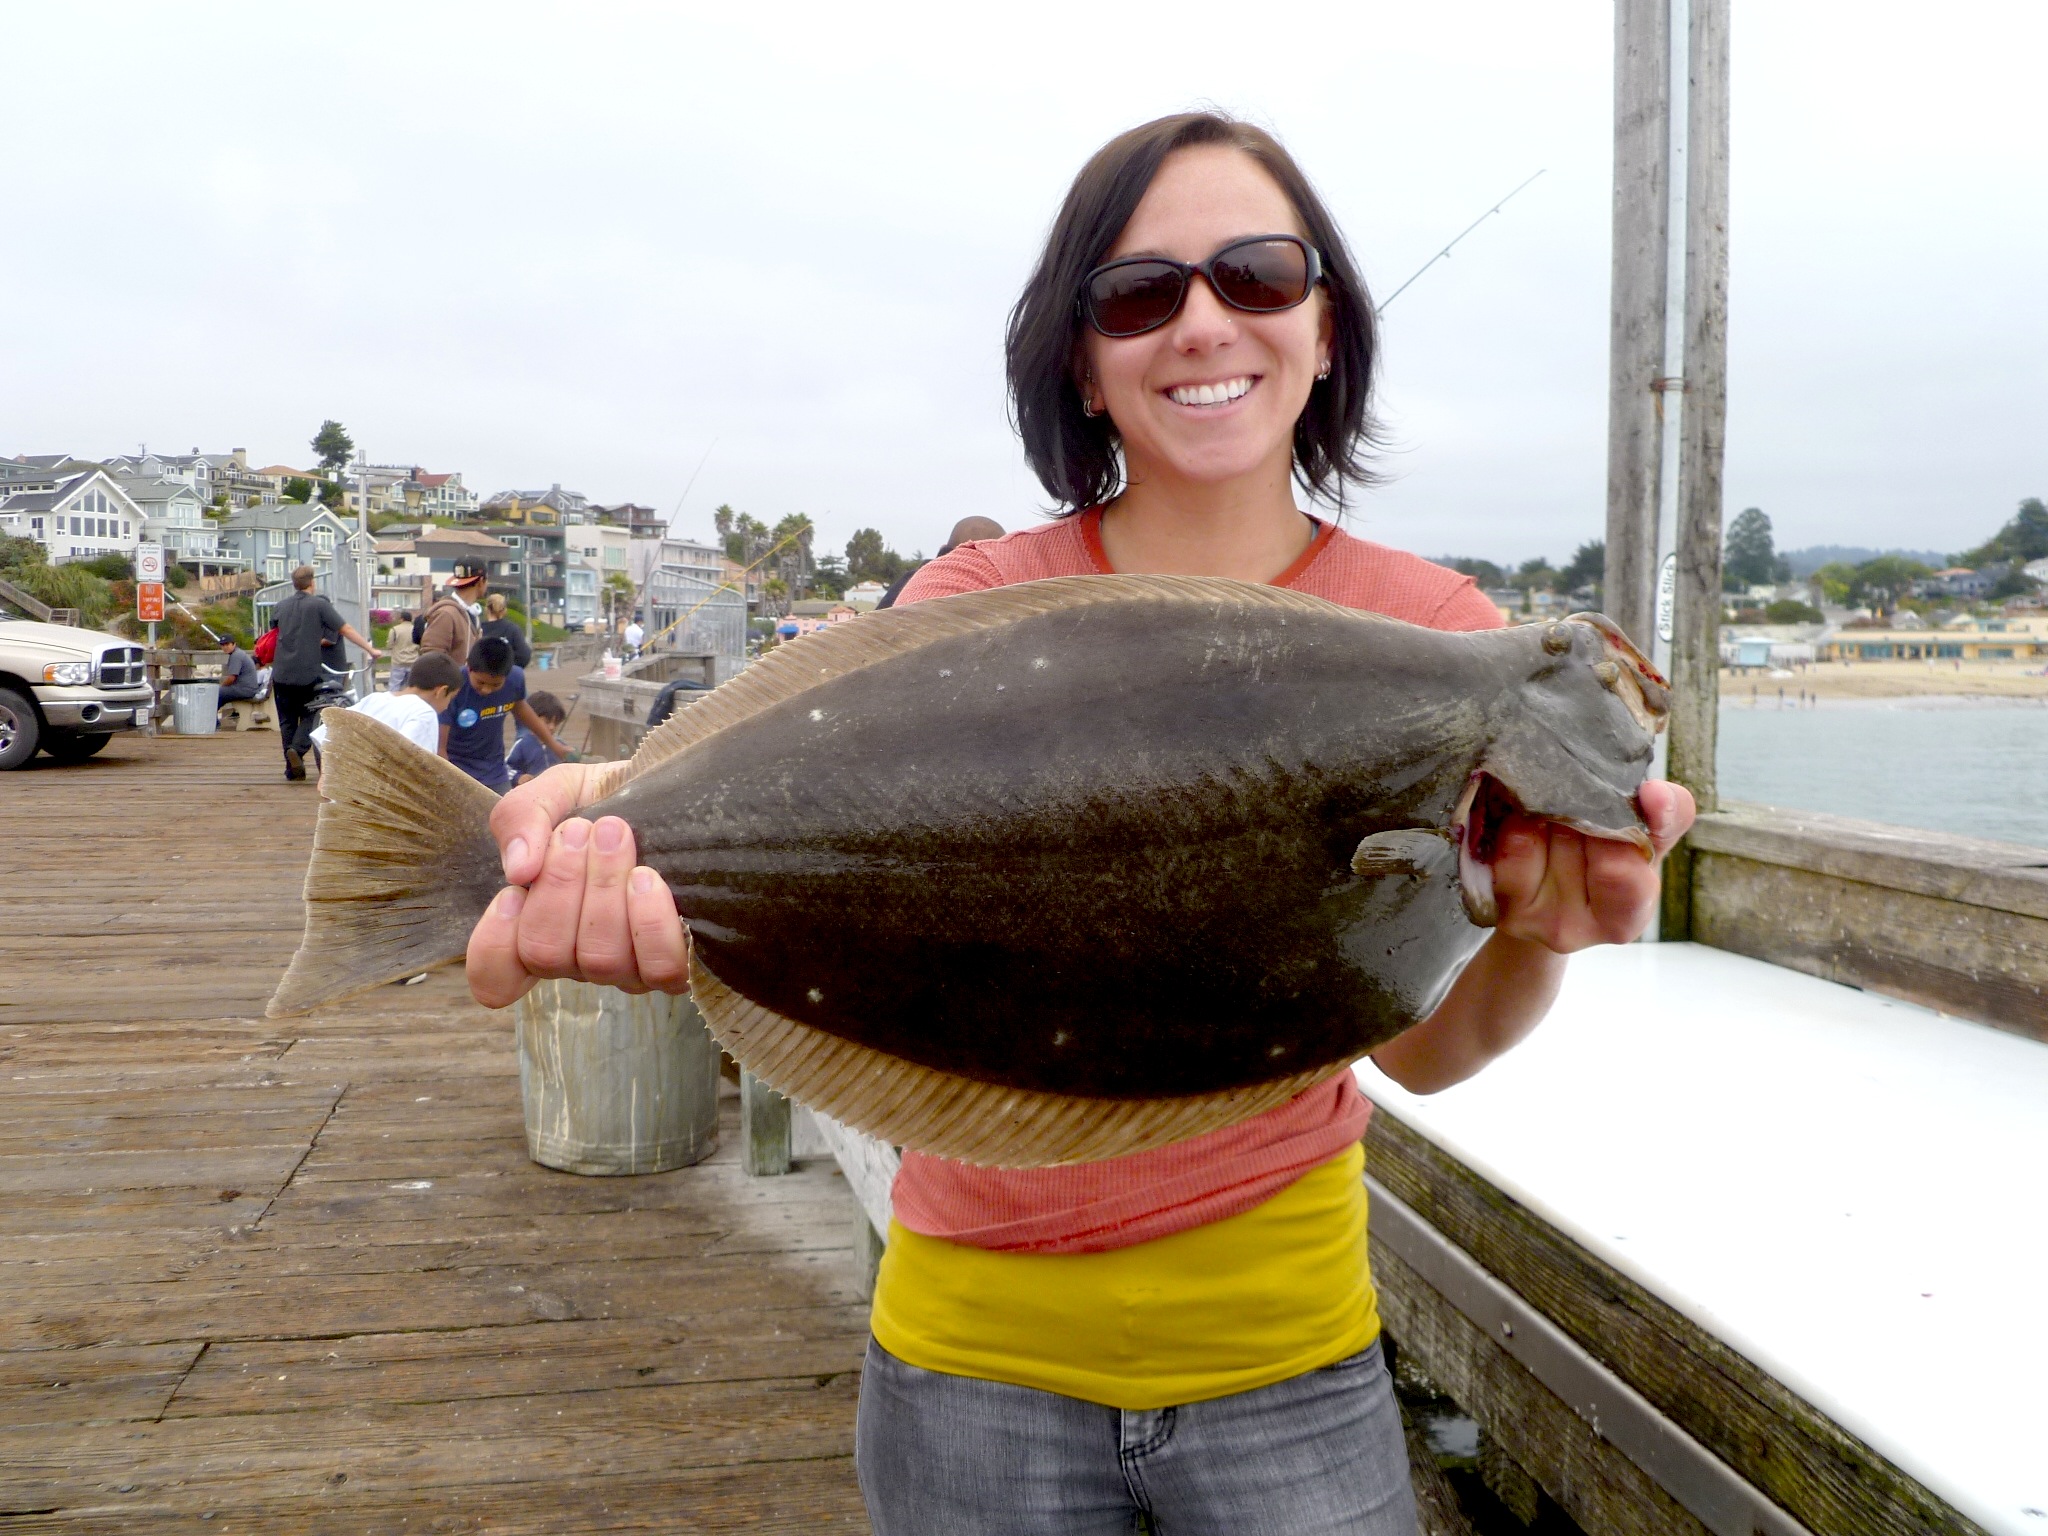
(265, 648)
(419, 626)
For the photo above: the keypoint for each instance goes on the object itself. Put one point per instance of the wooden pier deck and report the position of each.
(300, 1275)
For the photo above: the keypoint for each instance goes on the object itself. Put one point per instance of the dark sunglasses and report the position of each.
(1259, 274)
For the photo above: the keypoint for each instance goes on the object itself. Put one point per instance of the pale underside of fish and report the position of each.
(1056, 871)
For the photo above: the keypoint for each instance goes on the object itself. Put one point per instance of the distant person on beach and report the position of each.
(496, 623)
(450, 626)
(238, 678)
(473, 724)
(528, 758)
(404, 651)
(634, 635)
(413, 710)
(969, 530)
(307, 623)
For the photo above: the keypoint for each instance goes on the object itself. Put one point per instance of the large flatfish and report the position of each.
(1055, 871)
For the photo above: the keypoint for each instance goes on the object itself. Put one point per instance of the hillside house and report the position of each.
(175, 517)
(82, 516)
(274, 540)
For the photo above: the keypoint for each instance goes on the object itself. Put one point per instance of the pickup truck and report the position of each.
(62, 689)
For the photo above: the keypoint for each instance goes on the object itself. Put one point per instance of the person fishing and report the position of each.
(1188, 1335)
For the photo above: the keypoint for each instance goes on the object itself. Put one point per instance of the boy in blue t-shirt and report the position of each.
(528, 758)
(473, 725)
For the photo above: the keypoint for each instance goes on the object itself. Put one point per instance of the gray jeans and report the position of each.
(1318, 1455)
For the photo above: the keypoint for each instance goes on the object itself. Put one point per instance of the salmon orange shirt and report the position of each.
(1220, 1264)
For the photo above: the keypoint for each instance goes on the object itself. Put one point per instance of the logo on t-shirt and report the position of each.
(466, 717)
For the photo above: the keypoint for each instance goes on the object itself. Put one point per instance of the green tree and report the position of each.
(2023, 538)
(1748, 555)
(1534, 576)
(1587, 568)
(330, 493)
(334, 446)
(297, 488)
(1789, 610)
(2014, 583)
(868, 558)
(1884, 582)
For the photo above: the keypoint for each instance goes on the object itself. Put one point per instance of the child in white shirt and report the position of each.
(415, 710)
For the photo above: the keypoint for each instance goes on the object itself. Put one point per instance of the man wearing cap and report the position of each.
(238, 679)
(451, 624)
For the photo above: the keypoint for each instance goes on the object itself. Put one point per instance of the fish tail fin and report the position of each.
(403, 866)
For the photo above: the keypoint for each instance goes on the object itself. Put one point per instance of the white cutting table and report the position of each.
(1849, 1191)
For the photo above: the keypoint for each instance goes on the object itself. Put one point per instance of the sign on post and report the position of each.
(149, 601)
(149, 563)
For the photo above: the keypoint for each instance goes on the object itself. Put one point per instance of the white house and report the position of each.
(865, 594)
(83, 516)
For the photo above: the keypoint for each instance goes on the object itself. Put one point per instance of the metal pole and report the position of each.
(365, 564)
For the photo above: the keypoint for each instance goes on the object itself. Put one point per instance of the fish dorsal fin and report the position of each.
(798, 666)
(959, 1117)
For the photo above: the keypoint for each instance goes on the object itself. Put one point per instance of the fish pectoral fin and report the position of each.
(1416, 852)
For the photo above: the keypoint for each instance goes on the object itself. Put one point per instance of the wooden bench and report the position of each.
(250, 714)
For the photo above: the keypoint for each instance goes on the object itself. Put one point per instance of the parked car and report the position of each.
(63, 690)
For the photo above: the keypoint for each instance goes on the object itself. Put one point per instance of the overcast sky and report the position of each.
(590, 243)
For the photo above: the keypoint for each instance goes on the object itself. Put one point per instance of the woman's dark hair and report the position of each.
(1076, 456)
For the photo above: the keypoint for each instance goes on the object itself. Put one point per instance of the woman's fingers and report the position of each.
(525, 819)
(661, 944)
(497, 979)
(549, 924)
(604, 936)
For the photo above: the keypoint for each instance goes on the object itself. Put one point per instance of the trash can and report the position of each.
(615, 1083)
(195, 708)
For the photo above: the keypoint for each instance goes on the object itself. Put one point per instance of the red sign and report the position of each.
(149, 601)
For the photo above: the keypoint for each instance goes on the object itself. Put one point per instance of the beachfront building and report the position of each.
(76, 516)
(814, 614)
(2002, 639)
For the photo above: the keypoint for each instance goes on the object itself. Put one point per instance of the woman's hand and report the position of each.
(1558, 891)
(576, 904)
(1567, 891)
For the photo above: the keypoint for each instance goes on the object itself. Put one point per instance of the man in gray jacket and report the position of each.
(308, 627)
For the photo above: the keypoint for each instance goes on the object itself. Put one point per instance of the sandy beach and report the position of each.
(1973, 681)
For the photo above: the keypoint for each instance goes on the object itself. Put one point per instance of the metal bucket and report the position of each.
(615, 1083)
(195, 708)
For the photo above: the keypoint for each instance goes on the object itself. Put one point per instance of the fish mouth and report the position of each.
(1476, 826)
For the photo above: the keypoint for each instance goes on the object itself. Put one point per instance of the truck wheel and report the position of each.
(20, 730)
(74, 746)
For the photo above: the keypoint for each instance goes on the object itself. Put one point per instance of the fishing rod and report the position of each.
(726, 586)
(690, 484)
(1381, 307)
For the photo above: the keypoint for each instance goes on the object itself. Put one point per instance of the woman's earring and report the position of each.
(1324, 371)
(1088, 405)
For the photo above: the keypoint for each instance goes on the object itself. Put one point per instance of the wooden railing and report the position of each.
(1956, 924)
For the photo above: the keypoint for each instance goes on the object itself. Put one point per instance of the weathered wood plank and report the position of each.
(1956, 924)
(1818, 1472)
(200, 1201)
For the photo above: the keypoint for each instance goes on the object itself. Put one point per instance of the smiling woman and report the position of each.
(1124, 204)
(1189, 1333)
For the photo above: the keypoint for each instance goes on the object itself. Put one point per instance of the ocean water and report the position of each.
(1945, 765)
